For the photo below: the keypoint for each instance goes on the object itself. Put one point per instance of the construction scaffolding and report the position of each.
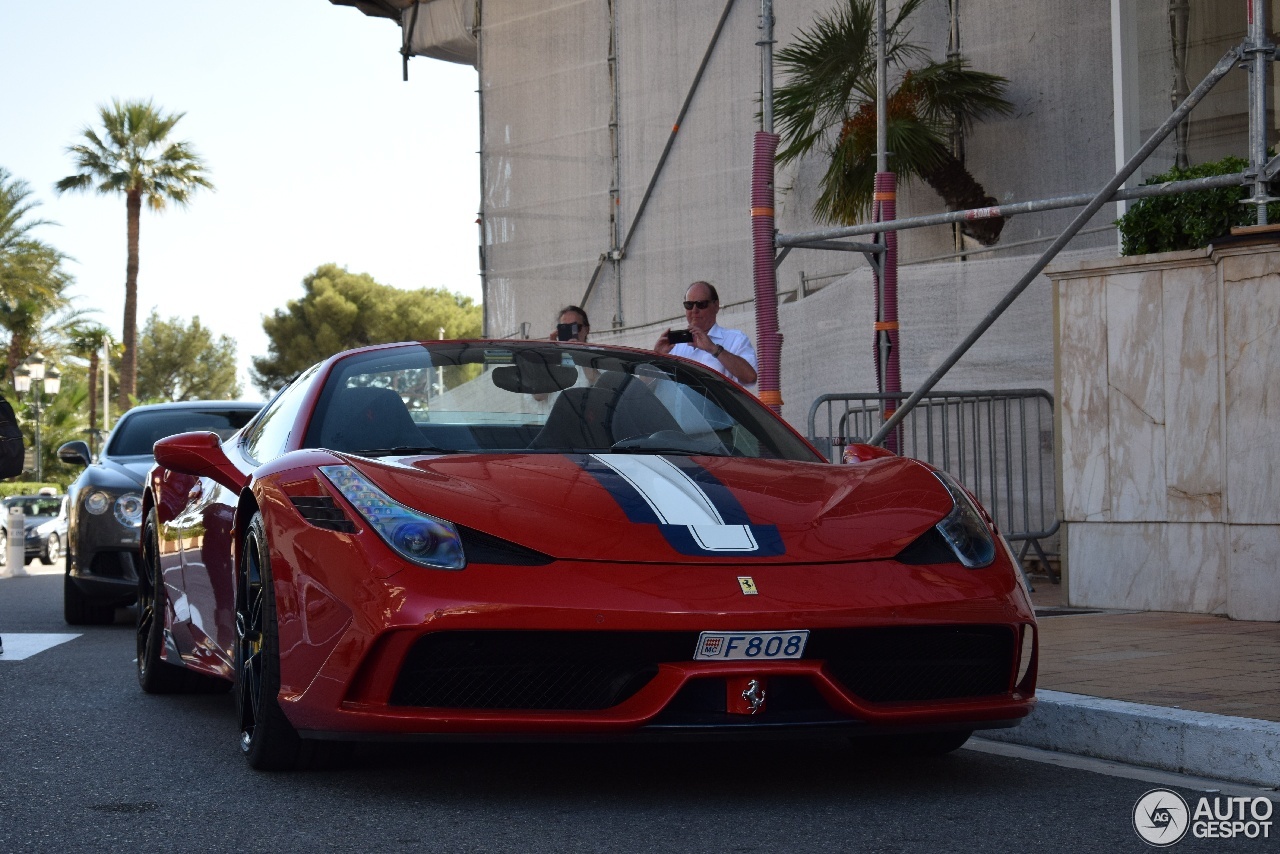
(1256, 54)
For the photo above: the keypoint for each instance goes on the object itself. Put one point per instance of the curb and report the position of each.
(1220, 747)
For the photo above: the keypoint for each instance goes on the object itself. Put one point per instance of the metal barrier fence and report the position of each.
(999, 444)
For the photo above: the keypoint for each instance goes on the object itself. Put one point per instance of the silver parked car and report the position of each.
(45, 524)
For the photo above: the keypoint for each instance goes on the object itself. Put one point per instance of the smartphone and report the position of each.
(567, 331)
(680, 336)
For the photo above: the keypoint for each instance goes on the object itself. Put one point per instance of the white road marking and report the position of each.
(18, 646)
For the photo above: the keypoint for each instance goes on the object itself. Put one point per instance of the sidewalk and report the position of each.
(1192, 693)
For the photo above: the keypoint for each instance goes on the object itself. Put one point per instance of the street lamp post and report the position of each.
(33, 377)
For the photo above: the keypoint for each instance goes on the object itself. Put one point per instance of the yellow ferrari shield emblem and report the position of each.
(748, 585)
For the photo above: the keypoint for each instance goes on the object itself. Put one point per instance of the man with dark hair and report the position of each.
(572, 325)
(728, 351)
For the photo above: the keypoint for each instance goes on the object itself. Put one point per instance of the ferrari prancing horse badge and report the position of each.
(748, 585)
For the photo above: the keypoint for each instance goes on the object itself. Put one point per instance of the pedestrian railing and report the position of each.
(999, 444)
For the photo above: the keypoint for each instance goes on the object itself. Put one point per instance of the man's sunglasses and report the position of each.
(690, 304)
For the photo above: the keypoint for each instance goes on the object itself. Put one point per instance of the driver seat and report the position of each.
(366, 418)
(592, 419)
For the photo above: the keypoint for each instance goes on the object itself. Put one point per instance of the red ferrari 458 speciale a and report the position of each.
(531, 539)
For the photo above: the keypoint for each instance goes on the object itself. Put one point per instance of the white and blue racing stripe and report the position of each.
(697, 514)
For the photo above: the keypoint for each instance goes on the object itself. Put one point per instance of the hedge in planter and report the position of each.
(1188, 220)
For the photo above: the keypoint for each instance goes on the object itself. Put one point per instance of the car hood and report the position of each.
(650, 508)
(131, 469)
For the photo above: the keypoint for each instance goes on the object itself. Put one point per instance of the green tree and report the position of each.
(178, 361)
(61, 420)
(32, 279)
(341, 310)
(135, 157)
(829, 101)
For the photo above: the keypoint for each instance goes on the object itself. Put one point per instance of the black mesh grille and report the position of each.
(323, 512)
(915, 663)
(534, 670)
(597, 670)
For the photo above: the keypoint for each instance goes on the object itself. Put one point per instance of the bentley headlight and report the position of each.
(964, 528)
(97, 503)
(129, 510)
(416, 536)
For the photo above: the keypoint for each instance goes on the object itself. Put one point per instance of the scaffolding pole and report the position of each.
(1219, 71)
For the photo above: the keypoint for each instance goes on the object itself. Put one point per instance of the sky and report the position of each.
(318, 150)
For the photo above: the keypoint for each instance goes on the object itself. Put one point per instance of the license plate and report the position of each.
(750, 646)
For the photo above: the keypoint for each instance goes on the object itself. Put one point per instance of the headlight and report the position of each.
(129, 510)
(417, 536)
(97, 503)
(964, 528)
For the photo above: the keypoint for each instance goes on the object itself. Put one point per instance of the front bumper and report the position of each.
(368, 655)
(103, 559)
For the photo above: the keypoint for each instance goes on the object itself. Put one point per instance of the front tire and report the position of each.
(267, 739)
(79, 610)
(52, 550)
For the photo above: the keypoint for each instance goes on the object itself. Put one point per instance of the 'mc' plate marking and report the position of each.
(750, 646)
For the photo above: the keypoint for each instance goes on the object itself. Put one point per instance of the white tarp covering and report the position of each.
(564, 128)
(443, 29)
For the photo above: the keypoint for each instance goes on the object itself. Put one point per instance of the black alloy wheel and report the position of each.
(155, 675)
(267, 739)
(79, 610)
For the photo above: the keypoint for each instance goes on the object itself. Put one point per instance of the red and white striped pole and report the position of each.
(888, 370)
(768, 338)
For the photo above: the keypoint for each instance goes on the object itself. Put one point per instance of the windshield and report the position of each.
(540, 398)
(35, 505)
(139, 431)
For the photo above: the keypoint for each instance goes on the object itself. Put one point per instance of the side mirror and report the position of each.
(199, 454)
(860, 453)
(75, 453)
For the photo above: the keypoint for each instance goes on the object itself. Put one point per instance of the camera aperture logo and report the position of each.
(1162, 818)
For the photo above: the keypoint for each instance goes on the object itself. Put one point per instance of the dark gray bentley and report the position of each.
(106, 501)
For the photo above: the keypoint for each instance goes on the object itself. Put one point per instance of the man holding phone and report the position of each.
(572, 325)
(728, 351)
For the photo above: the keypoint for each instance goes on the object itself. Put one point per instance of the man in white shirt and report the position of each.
(728, 351)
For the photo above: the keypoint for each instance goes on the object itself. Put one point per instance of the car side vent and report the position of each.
(486, 548)
(323, 512)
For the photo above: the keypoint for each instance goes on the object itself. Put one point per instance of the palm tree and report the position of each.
(136, 158)
(829, 100)
(32, 279)
(31, 275)
(87, 341)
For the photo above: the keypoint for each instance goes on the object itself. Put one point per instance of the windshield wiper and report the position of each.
(670, 445)
(402, 451)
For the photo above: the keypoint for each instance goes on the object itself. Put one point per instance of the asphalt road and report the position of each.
(89, 762)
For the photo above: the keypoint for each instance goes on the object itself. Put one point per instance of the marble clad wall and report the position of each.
(1166, 376)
